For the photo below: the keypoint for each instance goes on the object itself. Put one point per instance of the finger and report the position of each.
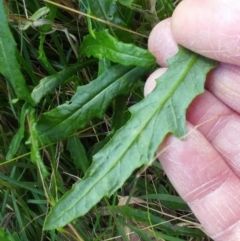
(223, 82)
(221, 130)
(205, 181)
(216, 121)
(207, 172)
(210, 28)
(151, 81)
(161, 42)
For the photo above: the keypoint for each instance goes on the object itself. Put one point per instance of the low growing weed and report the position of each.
(75, 129)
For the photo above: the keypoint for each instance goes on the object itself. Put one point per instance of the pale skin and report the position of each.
(205, 167)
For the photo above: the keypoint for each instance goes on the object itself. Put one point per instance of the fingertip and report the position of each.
(161, 42)
(178, 18)
(151, 81)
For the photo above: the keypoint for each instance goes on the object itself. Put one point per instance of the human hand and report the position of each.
(205, 167)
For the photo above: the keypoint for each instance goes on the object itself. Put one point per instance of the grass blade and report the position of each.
(78, 153)
(16, 140)
(9, 66)
(49, 83)
(34, 142)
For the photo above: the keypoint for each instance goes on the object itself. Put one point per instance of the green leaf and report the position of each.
(145, 235)
(120, 115)
(7, 236)
(9, 66)
(125, 2)
(89, 101)
(149, 219)
(49, 83)
(106, 46)
(34, 142)
(16, 140)
(106, 10)
(38, 14)
(170, 201)
(160, 113)
(42, 55)
(103, 64)
(4, 236)
(78, 153)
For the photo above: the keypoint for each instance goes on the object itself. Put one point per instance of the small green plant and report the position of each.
(75, 128)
